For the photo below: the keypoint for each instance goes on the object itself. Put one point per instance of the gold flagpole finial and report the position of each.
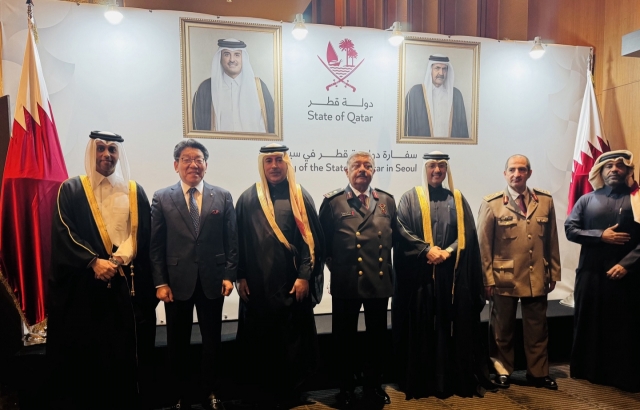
(31, 20)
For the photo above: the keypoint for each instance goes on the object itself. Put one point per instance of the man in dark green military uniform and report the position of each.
(359, 224)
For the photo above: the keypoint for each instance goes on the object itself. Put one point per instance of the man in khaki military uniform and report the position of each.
(521, 260)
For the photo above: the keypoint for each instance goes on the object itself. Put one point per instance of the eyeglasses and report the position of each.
(189, 161)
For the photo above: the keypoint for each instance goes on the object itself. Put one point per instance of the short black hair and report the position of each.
(190, 143)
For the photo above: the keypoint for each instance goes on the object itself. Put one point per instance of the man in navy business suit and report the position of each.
(194, 254)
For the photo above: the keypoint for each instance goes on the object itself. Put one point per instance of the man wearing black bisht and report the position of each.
(438, 290)
(100, 284)
(280, 278)
(606, 328)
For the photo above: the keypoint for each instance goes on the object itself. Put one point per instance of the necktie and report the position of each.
(363, 199)
(193, 210)
(523, 206)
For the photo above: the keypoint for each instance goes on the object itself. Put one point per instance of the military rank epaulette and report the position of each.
(493, 196)
(333, 193)
(384, 192)
(542, 191)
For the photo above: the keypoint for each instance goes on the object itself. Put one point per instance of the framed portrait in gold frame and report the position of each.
(438, 91)
(231, 79)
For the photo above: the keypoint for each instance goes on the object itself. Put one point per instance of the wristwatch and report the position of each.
(114, 261)
(450, 250)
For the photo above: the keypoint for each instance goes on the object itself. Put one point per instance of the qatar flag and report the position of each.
(590, 144)
(33, 173)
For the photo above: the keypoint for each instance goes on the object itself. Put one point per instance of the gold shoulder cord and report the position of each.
(133, 217)
(457, 197)
(425, 208)
(270, 217)
(102, 228)
(305, 220)
(426, 104)
(426, 215)
(428, 234)
(263, 108)
(97, 215)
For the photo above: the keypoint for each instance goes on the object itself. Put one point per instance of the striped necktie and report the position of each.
(193, 210)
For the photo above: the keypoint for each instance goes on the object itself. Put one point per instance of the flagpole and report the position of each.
(590, 143)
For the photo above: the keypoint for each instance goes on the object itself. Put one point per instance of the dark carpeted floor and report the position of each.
(571, 395)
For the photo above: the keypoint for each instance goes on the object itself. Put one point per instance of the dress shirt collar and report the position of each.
(367, 193)
(113, 179)
(185, 187)
(515, 195)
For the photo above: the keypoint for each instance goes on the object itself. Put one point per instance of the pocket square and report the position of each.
(215, 212)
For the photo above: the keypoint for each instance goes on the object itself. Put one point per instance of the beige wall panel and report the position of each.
(620, 107)
(573, 22)
(621, 17)
(430, 16)
(513, 19)
(284, 10)
(467, 17)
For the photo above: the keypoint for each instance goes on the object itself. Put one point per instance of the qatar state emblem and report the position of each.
(334, 65)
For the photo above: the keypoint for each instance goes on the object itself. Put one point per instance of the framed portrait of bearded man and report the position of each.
(438, 91)
(231, 79)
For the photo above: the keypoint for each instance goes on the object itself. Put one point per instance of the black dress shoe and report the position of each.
(502, 381)
(546, 382)
(181, 405)
(346, 398)
(212, 403)
(377, 395)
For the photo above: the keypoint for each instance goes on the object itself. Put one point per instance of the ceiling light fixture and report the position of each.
(299, 29)
(112, 14)
(537, 50)
(396, 36)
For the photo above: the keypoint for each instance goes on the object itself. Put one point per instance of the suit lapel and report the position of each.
(207, 204)
(180, 203)
(354, 202)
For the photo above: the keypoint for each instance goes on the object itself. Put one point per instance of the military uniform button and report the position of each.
(528, 221)
(380, 246)
(381, 273)
(358, 246)
(530, 251)
(529, 236)
(530, 267)
(379, 233)
(380, 259)
(360, 259)
(360, 273)
(357, 233)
